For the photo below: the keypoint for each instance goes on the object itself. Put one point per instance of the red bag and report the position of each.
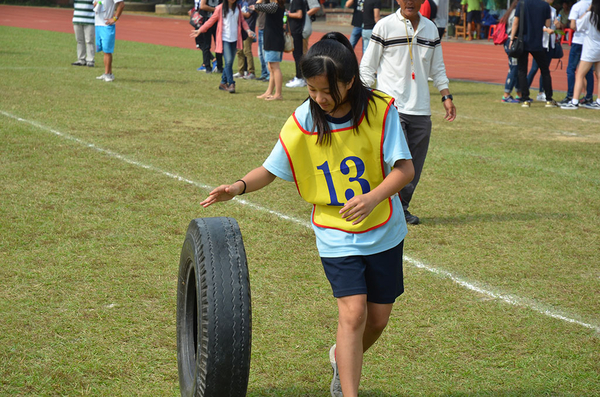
(500, 35)
(196, 19)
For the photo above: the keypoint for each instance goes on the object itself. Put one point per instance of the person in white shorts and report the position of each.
(589, 24)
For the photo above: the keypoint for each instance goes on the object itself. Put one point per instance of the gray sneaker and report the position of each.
(101, 77)
(591, 105)
(109, 77)
(569, 106)
(336, 386)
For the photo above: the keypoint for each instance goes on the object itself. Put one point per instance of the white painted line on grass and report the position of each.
(470, 285)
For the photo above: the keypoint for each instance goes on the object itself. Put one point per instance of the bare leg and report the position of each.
(360, 324)
(349, 342)
(277, 77)
(108, 63)
(583, 68)
(377, 319)
(271, 85)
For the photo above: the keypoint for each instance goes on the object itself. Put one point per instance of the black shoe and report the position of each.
(78, 63)
(565, 101)
(410, 218)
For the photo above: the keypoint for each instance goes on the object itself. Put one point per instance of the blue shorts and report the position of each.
(105, 39)
(379, 276)
(273, 56)
(474, 16)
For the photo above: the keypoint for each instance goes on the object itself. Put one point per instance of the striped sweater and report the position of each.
(83, 13)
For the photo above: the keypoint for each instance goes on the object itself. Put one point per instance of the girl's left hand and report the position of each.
(195, 33)
(358, 208)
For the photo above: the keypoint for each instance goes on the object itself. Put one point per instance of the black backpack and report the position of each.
(433, 9)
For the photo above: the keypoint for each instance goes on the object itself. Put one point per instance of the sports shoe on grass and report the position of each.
(202, 68)
(565, 101)
(410, 218)
(594, 105)
(78, 63)
(569, 106)
(90, 64)
(336, 386)
(296, 83)
(223, 87)
(250, 76)
(541, 97)
(101, 77)
(551, 104)
(526, 104)
(109, 77)
(509, 99)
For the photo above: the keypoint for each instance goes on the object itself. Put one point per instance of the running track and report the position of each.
(471, 61)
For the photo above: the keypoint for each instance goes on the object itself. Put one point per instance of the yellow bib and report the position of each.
(330, 175)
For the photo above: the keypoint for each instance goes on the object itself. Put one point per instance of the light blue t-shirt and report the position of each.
(336, 243)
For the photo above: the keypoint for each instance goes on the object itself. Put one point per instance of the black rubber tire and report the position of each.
(214, 319)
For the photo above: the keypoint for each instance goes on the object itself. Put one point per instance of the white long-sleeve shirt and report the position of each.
(388, 58)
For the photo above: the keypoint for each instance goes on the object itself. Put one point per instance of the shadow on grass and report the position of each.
(508, 217)
(517, 392)
(297, 392)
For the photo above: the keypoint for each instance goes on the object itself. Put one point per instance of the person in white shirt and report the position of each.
(577, 12)
(589, 25)
(404, 52)
(83, 25)
(108, 13)
(441, 19)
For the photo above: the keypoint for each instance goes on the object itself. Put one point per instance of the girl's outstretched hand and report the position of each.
(358, 208)
(223, 193)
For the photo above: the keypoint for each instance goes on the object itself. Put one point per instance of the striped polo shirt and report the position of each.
(83, 12)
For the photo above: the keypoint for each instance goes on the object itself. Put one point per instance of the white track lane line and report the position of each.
(474, 286)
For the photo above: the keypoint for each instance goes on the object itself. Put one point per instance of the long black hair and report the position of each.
(595, 16)
(334, 57)
(506, 15)
(226, 7)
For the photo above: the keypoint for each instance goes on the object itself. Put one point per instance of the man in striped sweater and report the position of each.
(405, 50)
(83, 25)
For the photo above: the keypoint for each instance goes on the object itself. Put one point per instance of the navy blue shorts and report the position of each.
(474, 16)
(379, 276)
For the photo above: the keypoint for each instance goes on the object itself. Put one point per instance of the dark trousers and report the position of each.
(205, 43)
(297, 37)
(543, 63)
(417, 131)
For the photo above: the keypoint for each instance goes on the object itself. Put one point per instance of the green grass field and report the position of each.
(100, 180)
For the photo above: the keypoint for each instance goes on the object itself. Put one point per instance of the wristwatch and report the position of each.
(449, 96)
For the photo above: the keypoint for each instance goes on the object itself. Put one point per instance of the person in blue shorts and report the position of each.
(346, 152)
(108, 13)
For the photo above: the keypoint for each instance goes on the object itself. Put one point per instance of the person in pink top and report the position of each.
(230, 21)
